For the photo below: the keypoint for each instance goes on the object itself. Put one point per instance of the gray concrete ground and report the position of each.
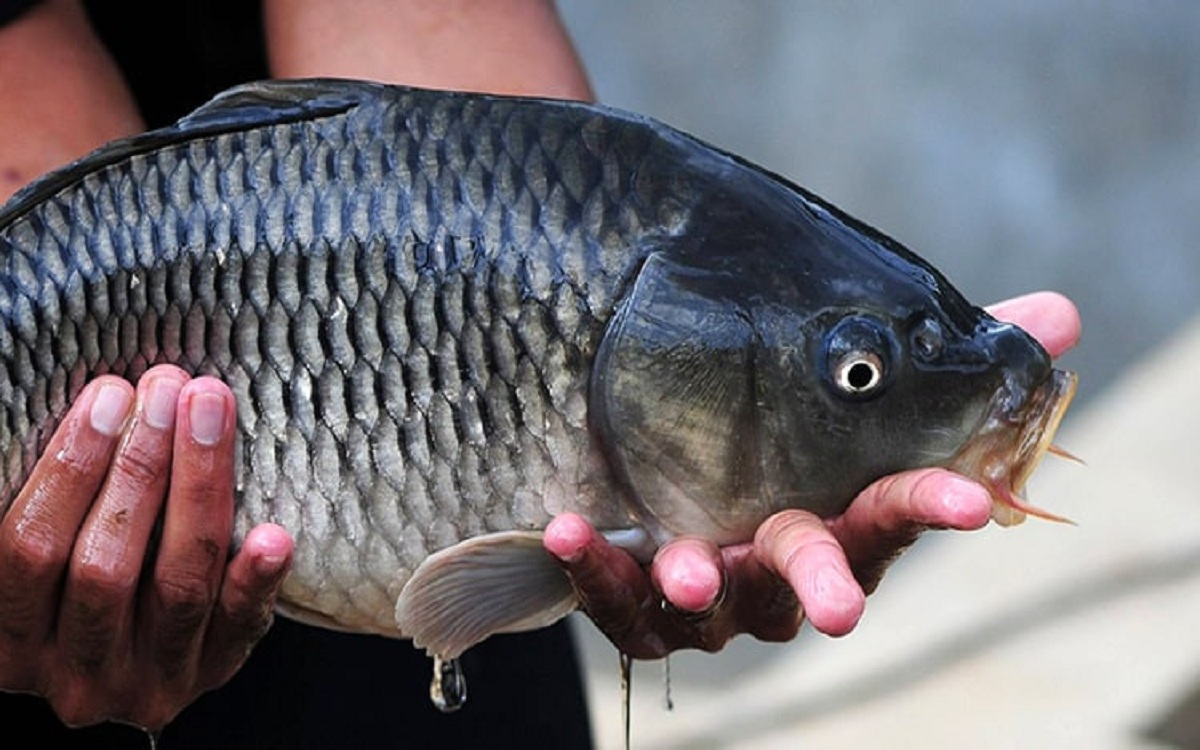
(1017, 145)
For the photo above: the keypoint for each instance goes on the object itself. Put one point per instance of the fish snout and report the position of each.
(1024, 363)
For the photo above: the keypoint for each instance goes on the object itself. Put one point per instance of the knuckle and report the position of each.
(804, 559)
(185, 598)
(76, 716)
(88, 648)
(81, 701)
(184, 603)
(789, 526)
(15, 668)
(249, 622)
(790, 538)
(155, 714)
(102, 585)
(78, 463)
(72, 466)
(90, 621)
(140, 465)
(207, 492)
(924, 496)
(33, 552)
(922, 483)
(76, 703)
(18, 633)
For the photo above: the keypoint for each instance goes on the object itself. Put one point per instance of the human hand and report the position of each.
(697, 595)
(98, 619)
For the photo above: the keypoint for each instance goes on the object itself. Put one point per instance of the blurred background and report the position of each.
(1017, 145)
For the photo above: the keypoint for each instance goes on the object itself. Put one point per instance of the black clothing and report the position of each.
(309, 688)
(10, 10)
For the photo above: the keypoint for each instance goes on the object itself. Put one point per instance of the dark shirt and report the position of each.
(310, 688)
(305, 687)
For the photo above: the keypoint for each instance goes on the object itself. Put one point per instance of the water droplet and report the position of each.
(448, 690)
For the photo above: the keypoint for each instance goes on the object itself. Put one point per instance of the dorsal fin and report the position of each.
(275, 102)
(250, 105)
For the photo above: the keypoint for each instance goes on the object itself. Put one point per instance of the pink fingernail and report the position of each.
(270, 564)
(567, 538)
(206, 412)
(110, 410)
(158, 409)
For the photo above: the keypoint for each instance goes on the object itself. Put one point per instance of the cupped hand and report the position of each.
(798, 567)
(120, 600)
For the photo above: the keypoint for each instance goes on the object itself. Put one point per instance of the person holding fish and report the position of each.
(107, 627)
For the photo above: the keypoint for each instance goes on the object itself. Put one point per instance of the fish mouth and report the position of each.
(1008, 445)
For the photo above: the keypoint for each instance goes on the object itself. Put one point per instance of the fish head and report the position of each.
(788, 363)
(873, 363)
(875, 392)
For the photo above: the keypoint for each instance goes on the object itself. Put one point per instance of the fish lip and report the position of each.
(1047, 408)
(1010, 442)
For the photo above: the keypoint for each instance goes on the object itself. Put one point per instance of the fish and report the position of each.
(449, 317)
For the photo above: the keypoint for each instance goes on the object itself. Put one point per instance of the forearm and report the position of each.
(497, 46)
(62, 93)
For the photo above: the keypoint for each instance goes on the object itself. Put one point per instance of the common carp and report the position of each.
(449, 317)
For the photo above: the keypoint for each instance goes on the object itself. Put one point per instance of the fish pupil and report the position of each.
(859, 373)
(860, 376)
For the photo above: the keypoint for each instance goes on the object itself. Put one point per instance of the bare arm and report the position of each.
(63, 95)
(497, 46)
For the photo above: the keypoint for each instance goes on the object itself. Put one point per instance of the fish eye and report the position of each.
(858, 373)
(927, 339)
(859, 350)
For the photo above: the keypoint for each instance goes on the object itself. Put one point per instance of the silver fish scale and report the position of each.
(405, 299)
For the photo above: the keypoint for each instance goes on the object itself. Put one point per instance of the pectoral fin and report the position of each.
(499, 583)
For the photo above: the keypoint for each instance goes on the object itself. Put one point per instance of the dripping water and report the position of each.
(448, 689)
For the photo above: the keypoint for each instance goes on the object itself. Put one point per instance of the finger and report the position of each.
(246, 602)
(800, 549)
(620, 598)
(763, 605)
(1049, 317)
(888, 516)
(196, 529)
(95, 617)
(38, 532)
(612, 587)
(689, 573)
(696, 576)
